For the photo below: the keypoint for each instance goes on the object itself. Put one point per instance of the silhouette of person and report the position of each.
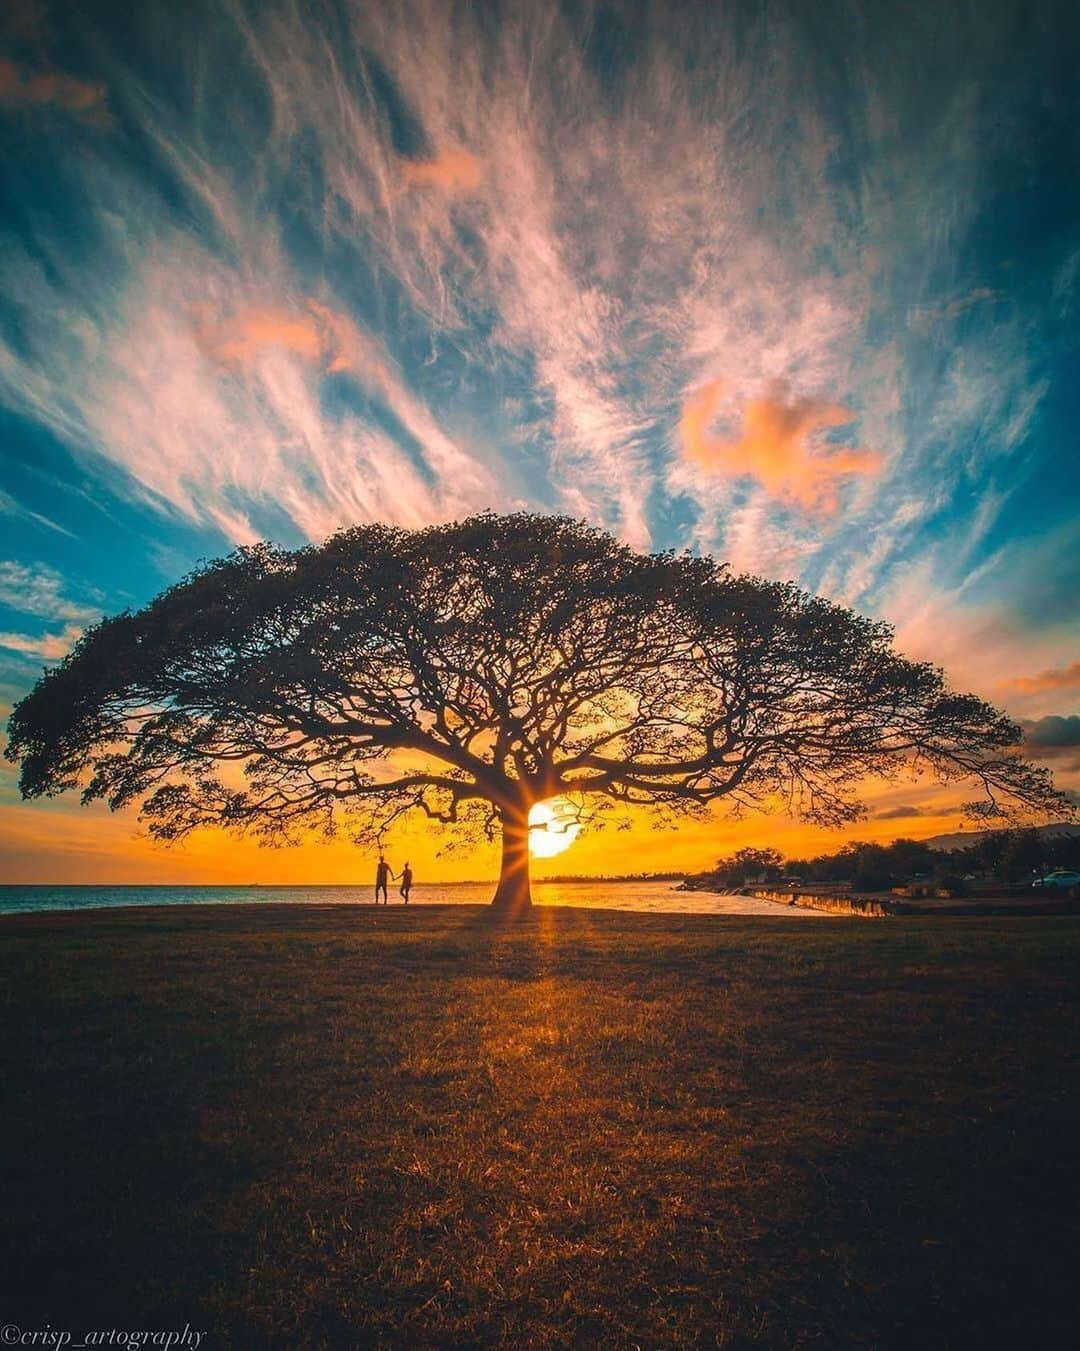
(382, 874)
(406, 883)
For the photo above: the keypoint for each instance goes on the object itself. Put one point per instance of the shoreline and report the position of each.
(430, 909)
(639, 898)
(888, 906)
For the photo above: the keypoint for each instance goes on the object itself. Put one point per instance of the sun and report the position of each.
(553, 827)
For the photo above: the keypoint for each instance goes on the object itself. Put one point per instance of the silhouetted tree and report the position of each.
(1005, 855)
(470, 670)
(868, 867)
(745, 863)
(873, 868)
(1015, 855)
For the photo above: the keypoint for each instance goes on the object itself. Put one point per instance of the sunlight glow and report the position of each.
(553, 827)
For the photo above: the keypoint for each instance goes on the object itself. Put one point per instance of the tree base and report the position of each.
(511, 902)
(513, 897)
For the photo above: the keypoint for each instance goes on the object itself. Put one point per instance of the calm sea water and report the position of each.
(653, 897)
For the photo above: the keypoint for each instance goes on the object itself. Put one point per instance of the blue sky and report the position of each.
(794, 284)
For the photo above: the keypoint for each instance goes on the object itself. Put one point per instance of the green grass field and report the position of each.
(308, 1127)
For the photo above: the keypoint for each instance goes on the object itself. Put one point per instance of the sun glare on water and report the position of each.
(553, 827)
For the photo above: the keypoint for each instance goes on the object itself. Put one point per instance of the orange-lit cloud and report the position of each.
(21, 88)
(242, 336)
(315, 333)
(779, 445)
(451, 171)
(1061, 678)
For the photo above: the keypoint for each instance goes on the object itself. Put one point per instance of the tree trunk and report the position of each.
(513, 897)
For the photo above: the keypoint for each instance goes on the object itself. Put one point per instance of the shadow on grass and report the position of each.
(328, 1127)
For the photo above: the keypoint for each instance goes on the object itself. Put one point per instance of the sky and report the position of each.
(794, 285)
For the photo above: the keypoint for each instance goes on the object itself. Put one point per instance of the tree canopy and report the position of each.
(468, 671)
(735, 869)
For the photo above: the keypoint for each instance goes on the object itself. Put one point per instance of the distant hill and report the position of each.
(964, 839)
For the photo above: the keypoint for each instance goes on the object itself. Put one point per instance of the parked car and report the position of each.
(1059, 880)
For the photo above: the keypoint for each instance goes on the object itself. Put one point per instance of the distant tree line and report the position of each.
(1005, 855)
(1013, 855)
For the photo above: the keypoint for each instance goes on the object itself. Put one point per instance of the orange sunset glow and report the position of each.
(65, 845)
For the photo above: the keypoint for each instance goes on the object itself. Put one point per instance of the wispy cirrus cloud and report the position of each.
(12, 508)
(422, 260)
(39, 591)
(210, 393)
(590, 257)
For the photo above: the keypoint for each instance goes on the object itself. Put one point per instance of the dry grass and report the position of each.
(308, 1127)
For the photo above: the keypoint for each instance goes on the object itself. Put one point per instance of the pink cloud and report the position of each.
(21, 88)
(47, 646)
(780, 445)
(450, 171)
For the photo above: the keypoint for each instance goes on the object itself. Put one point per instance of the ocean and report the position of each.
(650, 897)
